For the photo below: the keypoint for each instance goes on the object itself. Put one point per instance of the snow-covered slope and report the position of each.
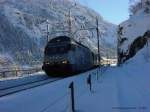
(134, 27)
(142, 58)
(134, 34)
(23, 27)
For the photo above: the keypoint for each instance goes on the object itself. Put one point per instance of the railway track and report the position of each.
(22, 87)
(4, 91)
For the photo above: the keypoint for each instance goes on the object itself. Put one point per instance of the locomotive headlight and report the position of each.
(65, 62)
(47, 63)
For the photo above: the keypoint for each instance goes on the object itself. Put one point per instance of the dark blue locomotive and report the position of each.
(64, 56)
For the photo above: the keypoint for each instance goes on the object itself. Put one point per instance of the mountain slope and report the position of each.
(23, 27)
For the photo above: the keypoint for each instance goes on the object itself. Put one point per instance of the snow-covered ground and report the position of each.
(119, 89)
(52, 97)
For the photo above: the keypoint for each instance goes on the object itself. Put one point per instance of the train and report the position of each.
(64, 56)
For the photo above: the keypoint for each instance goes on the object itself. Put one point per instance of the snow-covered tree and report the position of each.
(136, 5)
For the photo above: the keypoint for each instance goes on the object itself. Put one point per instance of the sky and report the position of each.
(114, 11)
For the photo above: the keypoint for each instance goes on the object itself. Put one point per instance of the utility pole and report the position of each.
(98, 44)
(70, 24)
(47, 27)
(70, 21)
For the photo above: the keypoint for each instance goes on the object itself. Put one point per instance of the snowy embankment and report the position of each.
(122, 89)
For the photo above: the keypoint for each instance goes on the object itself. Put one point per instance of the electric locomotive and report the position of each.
(63, 56)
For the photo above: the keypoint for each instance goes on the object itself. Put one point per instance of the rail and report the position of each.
(22, 87)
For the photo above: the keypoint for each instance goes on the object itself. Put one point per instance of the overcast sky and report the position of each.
(114, 11)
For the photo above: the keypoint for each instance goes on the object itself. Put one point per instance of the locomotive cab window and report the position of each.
(57, 49)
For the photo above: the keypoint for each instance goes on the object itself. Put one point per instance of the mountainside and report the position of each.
(23, 26)
(134, 34)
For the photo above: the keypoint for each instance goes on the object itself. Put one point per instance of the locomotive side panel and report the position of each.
(83, 58)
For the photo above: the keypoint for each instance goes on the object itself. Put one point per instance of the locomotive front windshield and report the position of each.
(57, 49)
(58, 45)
